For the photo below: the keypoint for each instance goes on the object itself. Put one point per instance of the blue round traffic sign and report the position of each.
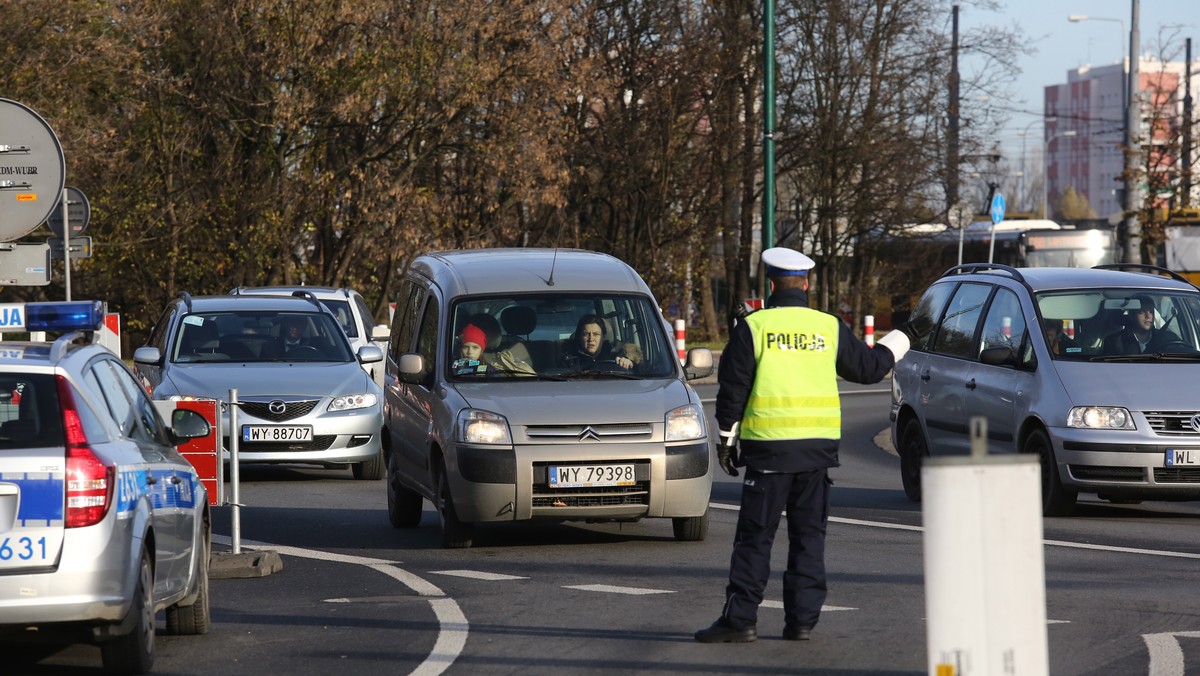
(997, 208)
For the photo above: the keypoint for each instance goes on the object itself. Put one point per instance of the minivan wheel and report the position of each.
(455, 533)
(1056, 499)
(691, 528)
(913, 451)
(404, 504)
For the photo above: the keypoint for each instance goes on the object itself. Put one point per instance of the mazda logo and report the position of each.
(589, 433)
(1195, 422)
(277, 407)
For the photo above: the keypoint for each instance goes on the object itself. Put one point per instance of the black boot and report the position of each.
(722, 631)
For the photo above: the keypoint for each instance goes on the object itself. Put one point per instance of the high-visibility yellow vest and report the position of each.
(795, 394)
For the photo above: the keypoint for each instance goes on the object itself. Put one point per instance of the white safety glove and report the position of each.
(897, 342)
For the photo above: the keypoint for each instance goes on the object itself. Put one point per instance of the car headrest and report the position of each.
(518, 320)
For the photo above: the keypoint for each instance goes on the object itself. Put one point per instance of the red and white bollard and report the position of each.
(1006, 326)
(869, 331)
(680, 334)
(1071, 329)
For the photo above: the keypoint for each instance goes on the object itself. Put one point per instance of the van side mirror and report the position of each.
(411, 367)
(998, 356)
(147, 355)
(381, 333)
(699, 363)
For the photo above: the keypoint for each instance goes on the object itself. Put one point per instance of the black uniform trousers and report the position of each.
(765, 495)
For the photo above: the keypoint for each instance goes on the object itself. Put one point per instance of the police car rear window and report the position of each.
(29, 413)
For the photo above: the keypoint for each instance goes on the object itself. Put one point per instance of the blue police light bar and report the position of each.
(83, 315)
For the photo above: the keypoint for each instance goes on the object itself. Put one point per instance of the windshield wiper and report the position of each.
(1149, 356)
(592, 373)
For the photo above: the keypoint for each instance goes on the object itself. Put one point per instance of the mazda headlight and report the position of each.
(685, 422)
(350, 402)
(481, 427)
(1100, 418)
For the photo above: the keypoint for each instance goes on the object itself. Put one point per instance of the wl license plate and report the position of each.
(276, 432)
(1178, 457)
(587, 476)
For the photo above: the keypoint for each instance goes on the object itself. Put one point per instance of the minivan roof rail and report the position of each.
(968, 268)
(1143, 267)
(187, 299)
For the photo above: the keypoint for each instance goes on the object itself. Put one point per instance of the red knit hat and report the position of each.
(474, 334)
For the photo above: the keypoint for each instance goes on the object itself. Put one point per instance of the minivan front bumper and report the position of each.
(1124, 464)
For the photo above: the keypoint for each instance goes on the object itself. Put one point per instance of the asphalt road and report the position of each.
(357, 596)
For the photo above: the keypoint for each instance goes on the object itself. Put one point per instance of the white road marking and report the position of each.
(452, 624)
(779, 605)
(1166, 656)
(478, 575)
(610, 589)
(1051, 543)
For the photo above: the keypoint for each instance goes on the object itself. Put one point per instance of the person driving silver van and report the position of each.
(1139, 334)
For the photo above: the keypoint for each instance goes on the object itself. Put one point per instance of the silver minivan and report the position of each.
(540, 384)
(1093, 370)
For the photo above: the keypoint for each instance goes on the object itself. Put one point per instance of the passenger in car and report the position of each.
(1139, 335)
(471, 344)
(1056, 338)
(587, 346)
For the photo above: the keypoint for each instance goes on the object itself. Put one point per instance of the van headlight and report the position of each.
(349, 402)
(482, 427)
(1100, 418)
(685, 422)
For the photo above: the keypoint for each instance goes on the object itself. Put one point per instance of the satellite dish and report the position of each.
(32, 170)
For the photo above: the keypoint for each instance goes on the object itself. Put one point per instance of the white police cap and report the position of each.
(782, 261)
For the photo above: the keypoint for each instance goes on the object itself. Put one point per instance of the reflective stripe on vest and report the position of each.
(795, 393)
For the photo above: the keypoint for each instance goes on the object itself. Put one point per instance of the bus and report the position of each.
(1181, 251)
(1020, 244)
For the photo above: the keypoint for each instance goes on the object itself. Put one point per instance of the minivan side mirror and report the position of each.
(699, 363)
(381, 332)
(998, 356)
(411, 367)
(147, 355)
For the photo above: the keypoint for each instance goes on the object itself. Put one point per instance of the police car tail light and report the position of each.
(89, 481)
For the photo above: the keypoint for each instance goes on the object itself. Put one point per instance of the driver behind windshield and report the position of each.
(1139, 335)
(587, 347)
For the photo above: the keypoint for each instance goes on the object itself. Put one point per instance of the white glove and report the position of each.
(897, 342)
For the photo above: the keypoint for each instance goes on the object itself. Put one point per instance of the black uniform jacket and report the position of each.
(856, 362)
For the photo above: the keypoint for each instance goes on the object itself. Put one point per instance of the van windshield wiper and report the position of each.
(601, 373)
(1149, 356)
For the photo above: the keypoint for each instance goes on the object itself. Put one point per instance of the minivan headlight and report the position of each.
(482, 427)
(1100, 418)
(685, 422)
(349, 402)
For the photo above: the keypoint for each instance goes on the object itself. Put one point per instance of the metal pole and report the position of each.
(1132, 252)
(235, 495)
(1185, 199)
(952, 123)
(768, 203)
(66, 244)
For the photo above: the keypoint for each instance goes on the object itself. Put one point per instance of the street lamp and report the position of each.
(1024, 198)
(1076, 18)
(1045, 160)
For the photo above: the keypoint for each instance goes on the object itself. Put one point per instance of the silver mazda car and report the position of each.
(304, 397)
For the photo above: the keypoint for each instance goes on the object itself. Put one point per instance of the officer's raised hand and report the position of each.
(727, 454)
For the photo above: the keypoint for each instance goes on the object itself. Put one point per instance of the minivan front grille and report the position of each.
(1101, 473)
(1177, 475)
(590, 433)
(1173, 423)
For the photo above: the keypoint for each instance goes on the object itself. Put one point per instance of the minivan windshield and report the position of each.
(559, 336)
(1121, 324)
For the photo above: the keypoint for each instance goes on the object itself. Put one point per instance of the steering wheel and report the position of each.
(1177, 346)
(304, 352)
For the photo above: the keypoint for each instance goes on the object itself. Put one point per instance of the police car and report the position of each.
(102, 522)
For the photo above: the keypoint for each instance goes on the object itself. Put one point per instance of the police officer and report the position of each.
(778, 391)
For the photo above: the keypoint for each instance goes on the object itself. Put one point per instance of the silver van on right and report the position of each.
(1096, 371)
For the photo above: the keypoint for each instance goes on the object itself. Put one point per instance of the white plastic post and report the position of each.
(680, 339)
(235, 495)
(985, 588)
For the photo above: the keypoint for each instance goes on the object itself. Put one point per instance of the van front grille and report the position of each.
(1099, 473)
(1177, 475)
(544, 496)
(590, 433)
(1173, 423)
